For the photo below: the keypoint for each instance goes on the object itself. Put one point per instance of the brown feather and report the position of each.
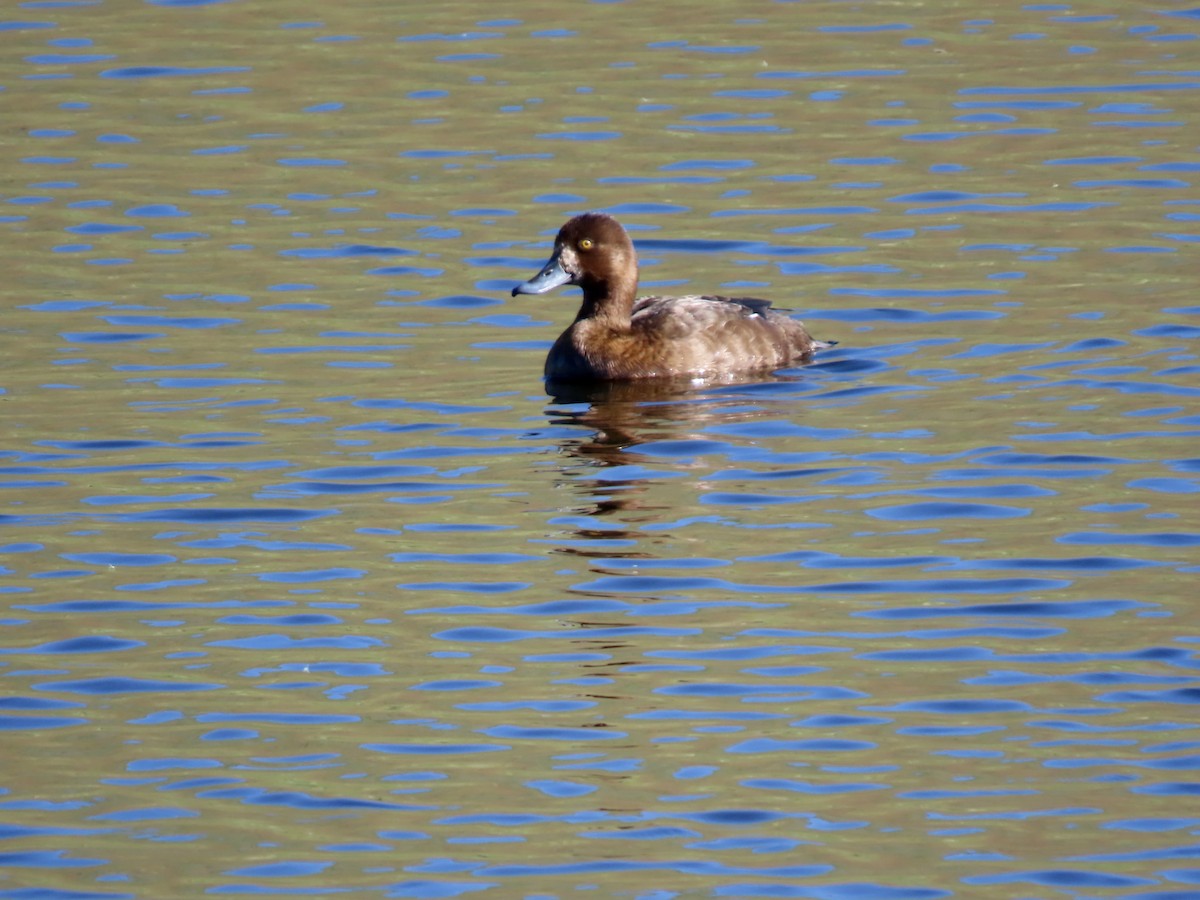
(619, 336)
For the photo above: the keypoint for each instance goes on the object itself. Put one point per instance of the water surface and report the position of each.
(311, 585)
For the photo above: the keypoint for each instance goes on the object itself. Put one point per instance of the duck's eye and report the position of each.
(586, 244)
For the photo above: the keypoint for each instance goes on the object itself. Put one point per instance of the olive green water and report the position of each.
(308, 587)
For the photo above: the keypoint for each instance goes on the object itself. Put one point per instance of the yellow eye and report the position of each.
(586, 244)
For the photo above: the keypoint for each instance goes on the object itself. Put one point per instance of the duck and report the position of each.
(619, 336)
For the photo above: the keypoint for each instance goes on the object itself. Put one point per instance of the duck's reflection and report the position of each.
(630, 469)
(624, 414)
(611, 480)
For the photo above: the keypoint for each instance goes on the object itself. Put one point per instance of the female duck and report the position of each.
(618, 336)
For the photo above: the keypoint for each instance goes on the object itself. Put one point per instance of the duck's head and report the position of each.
(592, 251)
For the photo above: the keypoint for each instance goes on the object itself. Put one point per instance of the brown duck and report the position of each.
(618, 336)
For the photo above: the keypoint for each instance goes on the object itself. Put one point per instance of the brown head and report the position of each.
(593, 251)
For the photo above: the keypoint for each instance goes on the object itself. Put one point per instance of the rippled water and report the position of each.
(311, 586)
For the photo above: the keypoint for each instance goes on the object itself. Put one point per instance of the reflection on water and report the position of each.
(666, 417)
(311, 586)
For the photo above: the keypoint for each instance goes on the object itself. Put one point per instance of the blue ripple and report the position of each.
(540, 706)
(503, 820)
(461, 684)
(558, 788)
(95, 643)
(280, 718)
(24, 25)
(189, 322)
(33, 723)
(226, 515)
(473, 587)
(300, 800)
(488, 635)
(125, 686)
(1170, 789)
(106, 337)
(393, 472)
(648, 584)
(285, 642)
(170, 71)
(39, 703)
(1062, 878)
(1064, 609)
(563, 608)
(121, 559)
(961, 707)
(92, 606)
(864, 891)
(1078, 563)
(579, 135)
(1053, 459)
(773, 745)
(518, 732)
(102, 228)
(434, 749)
(310, 576)
(735, 816)
(288, 869)
(300, 619)
(49, 859)
(923, 512)
(939, 586)
(1189, 696)
(653, 833)
(803, 787)
(1153, 825)
(334, 488)
(467, 559)
(1154, 539)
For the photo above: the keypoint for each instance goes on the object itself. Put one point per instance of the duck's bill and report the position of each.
(552, 275)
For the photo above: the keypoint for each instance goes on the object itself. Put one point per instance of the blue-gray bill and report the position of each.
(552, 275)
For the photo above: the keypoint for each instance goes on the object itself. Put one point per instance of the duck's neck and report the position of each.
(609, 301)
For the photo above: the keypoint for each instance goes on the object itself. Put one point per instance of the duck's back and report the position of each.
(700, 336)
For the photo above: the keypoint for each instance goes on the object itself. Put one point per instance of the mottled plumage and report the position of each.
(618, 336)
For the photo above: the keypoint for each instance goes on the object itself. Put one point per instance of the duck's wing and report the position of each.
(677, 317)
(753, 304)
(756, 306)
(693, 336)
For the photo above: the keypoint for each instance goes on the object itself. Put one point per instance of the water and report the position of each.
(310, 586)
